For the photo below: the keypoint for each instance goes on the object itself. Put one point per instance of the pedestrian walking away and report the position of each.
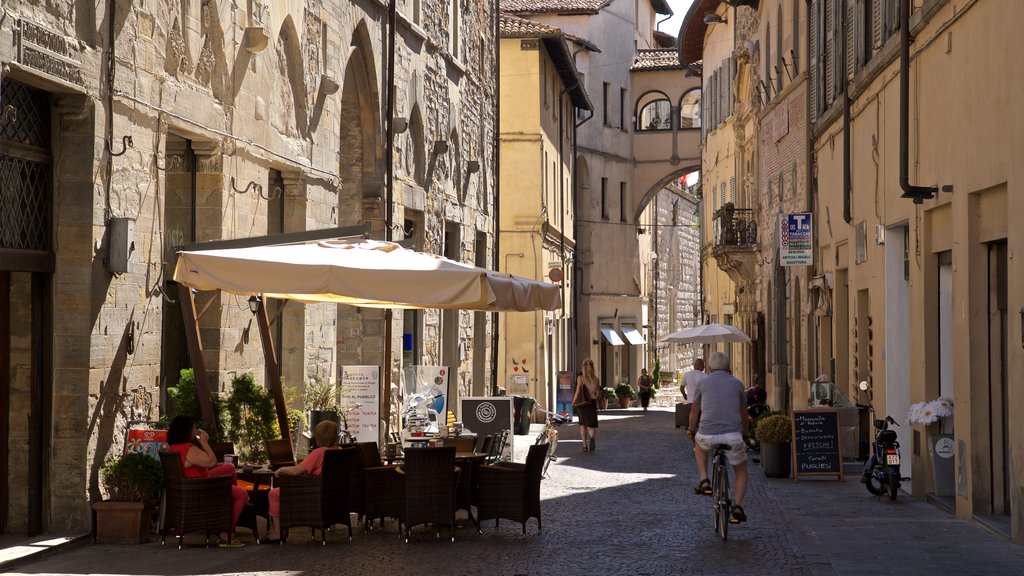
(584, 402)
(691, 379)
(719, 416)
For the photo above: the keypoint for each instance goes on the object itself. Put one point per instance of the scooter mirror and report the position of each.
(863, 385)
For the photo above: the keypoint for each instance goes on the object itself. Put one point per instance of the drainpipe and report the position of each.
(847, 200)
(916, 193)
(496, 143)
(389, 175)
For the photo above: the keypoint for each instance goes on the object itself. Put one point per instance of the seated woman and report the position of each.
(199, 461)
(326, 435)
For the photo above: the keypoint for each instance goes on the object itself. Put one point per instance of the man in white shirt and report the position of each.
(691, 379)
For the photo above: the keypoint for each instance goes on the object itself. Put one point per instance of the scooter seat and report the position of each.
(887, 437)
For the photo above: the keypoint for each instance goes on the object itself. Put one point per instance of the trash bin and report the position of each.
(522, 406)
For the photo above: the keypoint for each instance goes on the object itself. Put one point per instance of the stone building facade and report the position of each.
(131, 128)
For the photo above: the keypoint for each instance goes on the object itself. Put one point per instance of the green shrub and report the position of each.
(252, 417)
(625, 391)
(184, 401)
(774, 429)
(134, 477)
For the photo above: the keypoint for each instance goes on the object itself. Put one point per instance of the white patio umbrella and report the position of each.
(707, 334)
(365, 273)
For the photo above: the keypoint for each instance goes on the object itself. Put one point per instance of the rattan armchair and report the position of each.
(319, 502)
(279, 452)
(430, 477)
(193, 504)
(512, 491)
(384, 489)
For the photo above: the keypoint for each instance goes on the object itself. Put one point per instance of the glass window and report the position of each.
(654, 112)
(689, 110)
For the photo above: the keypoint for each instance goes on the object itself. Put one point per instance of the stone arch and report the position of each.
(359, 156)
(689, 109)
(658, 187)
(290, 114)
(653, 111)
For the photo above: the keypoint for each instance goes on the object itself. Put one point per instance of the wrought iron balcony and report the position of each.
(735, 242)
(734, 227)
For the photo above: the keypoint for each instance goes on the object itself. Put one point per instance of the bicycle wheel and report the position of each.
(720, 488)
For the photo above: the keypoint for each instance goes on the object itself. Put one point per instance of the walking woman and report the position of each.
(584, 401)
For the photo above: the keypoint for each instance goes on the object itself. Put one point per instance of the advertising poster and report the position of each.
(148, 442)
(360, 401)
(796, 246)
(564, 394)
(485, 415)
(426, 385)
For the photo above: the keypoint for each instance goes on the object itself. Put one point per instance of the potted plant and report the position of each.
(252, 419)
(607, 393)
(775, 435)
(132, 483)
(184, 400)
(321, 401)
(625, 393)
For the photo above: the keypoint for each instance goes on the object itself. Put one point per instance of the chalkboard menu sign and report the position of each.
(485, 415)
(816, 447)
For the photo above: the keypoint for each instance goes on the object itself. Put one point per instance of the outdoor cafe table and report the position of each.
(258, 483)
(466, 493)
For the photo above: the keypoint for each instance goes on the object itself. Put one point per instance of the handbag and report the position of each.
(584, 398)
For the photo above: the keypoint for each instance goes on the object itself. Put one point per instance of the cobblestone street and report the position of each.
(627, 508)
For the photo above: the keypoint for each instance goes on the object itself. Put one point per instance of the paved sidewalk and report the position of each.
(627, 508)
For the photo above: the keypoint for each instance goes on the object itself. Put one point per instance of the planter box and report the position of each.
(122, 522)
(775, 459)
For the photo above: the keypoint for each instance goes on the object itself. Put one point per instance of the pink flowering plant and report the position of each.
(930, 412)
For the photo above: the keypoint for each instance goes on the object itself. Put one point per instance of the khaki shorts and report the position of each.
(737, 454)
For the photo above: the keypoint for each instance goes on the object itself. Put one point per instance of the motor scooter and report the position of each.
(882, 471)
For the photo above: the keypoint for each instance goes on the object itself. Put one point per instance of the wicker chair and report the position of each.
(319, 501)
(497, 447)
(430, 477)
(280, 453)
(512, 491)
(193, 504)
(384, 494)
(222, 448)
(485, 444)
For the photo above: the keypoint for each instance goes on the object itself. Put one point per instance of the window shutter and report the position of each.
(829, 49)
(876, 24)
(732, 81)
(851, 39)
(813, 70)
(732, 189)
(723, 198)
(838, 66)
(727, 70)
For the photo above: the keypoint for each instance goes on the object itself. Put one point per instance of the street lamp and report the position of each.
(254, 304)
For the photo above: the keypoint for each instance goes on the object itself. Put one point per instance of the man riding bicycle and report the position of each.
(719, 416)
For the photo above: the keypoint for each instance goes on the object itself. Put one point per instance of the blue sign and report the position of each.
(796, 241)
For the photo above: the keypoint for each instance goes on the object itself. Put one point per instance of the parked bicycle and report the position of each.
(344, 436)
(550, 434)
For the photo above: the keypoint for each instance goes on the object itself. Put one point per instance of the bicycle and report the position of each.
(344, 436)
(550, 435)
(720, 491)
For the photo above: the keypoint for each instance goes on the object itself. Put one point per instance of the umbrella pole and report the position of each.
(385, 408)
(273, 371)
(195, 352)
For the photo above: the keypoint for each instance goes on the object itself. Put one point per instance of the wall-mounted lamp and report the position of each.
(473, 166)
(328, 85)
(714, 19)
(399, 125)
(254, 304)
(255, 39)
(693, 71)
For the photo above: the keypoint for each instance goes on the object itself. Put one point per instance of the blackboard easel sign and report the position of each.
(817, 450)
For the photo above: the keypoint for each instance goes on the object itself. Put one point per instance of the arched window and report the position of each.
(689, 110)
(653, 112)
(768, 58)
(780, 62)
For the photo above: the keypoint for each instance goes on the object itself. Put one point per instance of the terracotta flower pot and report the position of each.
(122, 522)
(602, 404)
(624, 402)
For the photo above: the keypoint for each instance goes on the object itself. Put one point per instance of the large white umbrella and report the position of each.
(365, 273)
(707, 334)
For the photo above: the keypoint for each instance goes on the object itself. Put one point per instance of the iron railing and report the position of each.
(734, 226)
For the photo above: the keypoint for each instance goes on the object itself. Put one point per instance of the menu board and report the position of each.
(488, 415)
(816, 447)
(360, 404)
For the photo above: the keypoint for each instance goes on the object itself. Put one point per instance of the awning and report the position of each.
(612, 336)
(633, 336)
(368, 273)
